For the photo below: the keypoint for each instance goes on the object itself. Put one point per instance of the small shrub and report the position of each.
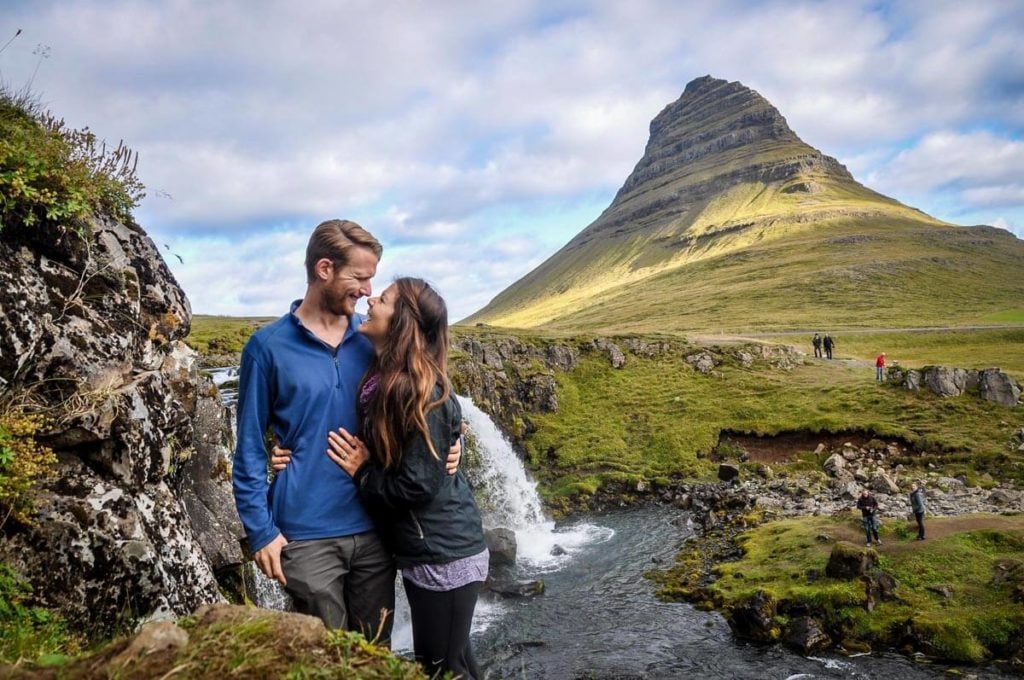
(52, 174)
(28, 632)
(23, 462)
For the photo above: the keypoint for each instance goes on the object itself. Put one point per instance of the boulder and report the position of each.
(501, 543)
(994, 385)
(912, 380)
(945, 382)
(848, 561)
(517, 589)
(805, 635)
(881, 483)
(878, 586)
(754, 618)
(834, 465)
(703, 362)
(728, 472)
(615, 356)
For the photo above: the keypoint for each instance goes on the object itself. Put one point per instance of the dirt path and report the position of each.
(934, 527)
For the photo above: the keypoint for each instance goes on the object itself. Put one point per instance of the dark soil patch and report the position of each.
(785, 446)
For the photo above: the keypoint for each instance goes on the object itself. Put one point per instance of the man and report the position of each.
(298, 378)
(880, 368)
(868, 507)
(816, 341)
(917, 505)
(829, 344)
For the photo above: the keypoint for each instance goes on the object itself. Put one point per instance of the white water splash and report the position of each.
(510, 500)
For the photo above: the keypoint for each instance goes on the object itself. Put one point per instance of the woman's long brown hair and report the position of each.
(413, 361)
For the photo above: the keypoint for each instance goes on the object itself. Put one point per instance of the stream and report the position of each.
(598, 617)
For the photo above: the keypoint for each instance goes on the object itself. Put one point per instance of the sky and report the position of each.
(475, 138)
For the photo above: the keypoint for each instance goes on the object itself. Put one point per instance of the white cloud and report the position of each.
(260, 119)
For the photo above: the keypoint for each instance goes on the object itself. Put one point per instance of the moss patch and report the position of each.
(955, 599)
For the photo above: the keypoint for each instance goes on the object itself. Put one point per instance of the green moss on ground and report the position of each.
(959, 591)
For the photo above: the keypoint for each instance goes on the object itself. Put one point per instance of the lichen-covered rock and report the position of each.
(91, 322)
(615, 356)
(994, 385)
(945, 382)
(702, 361)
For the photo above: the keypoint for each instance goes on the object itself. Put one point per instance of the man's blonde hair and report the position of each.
(334, 240)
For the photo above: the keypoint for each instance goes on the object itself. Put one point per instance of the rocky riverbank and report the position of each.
(782, 561)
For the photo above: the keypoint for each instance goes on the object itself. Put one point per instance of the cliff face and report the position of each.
(91, 322)
(727, 194)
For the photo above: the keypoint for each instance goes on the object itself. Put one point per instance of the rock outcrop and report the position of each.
(91, 322)
(990, 384)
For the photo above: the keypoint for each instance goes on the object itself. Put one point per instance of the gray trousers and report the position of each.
(349, 582)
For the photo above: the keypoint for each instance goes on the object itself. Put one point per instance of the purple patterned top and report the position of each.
(450, 575)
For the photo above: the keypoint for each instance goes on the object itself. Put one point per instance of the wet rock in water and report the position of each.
(994, 385)
(502, 545)
(517, 589)
(727, 472)
(557, 551)
(754, 618)
(848, 561)
(805, 634)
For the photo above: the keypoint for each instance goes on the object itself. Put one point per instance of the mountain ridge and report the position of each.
(722, 173)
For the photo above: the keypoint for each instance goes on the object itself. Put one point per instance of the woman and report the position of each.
(427, 517)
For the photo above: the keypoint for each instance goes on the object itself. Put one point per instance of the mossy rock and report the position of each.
(848, 561)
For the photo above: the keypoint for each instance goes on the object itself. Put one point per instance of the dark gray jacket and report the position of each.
(423, 514)
(917, 503)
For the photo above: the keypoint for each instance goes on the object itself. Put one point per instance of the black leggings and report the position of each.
(440, 629)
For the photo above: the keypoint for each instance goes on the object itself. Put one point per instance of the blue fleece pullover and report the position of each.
(301, 388)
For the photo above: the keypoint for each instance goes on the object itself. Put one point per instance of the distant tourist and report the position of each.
(917, 505)
(829, 344)
(816, 341)
(868, 507)
(880, 368)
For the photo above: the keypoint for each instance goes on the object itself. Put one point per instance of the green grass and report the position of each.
(961, 553)
(26, 631)
(657, 418)
(973, 348)
(223, 334)
(1008, 316)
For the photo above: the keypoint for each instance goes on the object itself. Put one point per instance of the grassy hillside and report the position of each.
(223, 334)
(657, 418)
(846, 273)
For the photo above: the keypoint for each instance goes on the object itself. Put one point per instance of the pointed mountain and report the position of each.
(730, 221)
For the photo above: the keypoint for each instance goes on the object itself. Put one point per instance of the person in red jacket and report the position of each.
(880, 368)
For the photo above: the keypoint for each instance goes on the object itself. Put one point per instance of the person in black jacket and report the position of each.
(428, 518)
(868, 507)
(829, 345)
